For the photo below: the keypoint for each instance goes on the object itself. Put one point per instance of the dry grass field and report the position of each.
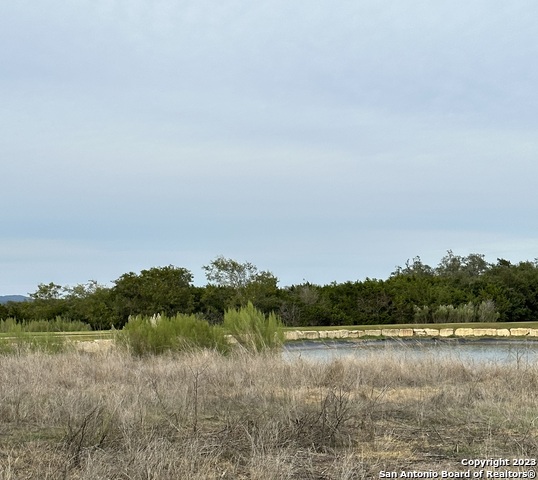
(201, 415)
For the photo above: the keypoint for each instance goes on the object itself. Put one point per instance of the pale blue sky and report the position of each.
(324, 141)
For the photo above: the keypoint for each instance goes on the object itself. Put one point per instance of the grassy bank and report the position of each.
(201, 415)
(424, 325)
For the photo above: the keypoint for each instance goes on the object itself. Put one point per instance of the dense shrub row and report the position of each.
(459, 288)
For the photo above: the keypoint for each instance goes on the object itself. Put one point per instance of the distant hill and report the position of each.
(13, 298)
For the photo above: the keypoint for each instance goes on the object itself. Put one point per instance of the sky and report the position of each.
(322, 141)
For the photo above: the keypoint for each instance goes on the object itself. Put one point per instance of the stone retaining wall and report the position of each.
(411, 332)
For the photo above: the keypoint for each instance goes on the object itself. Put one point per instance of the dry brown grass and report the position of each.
(204, 416)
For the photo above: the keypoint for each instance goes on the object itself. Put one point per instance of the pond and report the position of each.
(486, 350)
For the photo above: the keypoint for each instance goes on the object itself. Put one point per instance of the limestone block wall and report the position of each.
(410, 332)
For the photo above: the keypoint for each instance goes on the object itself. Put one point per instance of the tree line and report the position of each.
(458, 289)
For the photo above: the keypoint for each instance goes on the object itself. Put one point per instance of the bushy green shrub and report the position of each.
(252, 329)
(159, 334)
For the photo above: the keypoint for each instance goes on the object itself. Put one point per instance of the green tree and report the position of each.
(375, 303)
(213, 302)
(3, 312)
(90, 303)
(226, 272)
(47, 303)
(165, 290)
(244, 283)
(461, 268)
(48, 291)
(307, 304)
(414, 267)
(514, 289)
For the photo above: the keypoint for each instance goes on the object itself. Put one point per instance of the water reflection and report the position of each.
(518, 352)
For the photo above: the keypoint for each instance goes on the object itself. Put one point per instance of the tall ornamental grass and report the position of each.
(252, 329)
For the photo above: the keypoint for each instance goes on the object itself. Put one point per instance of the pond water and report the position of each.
(486, 350)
